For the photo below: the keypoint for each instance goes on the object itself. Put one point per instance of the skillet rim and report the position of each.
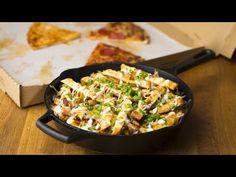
(81, 131)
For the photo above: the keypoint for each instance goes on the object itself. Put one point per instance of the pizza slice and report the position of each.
(104, 53)
(42, 35)
(126, 31)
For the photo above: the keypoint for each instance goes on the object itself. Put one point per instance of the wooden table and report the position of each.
(210, 128)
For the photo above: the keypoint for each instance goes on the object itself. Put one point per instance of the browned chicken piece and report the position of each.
(132, 128)
(105, 122)
(84, 80)
(172, 118)
(158, 81)
(165, 83)
(120, 121)
(64, 115)
(157, 126)
(119, 76)
(160, 89)
(92, 102)
(74, 121)
(153, 97)
(117, 128)
(141, 83)
(175, 102)
(56, 100)
(136, 114)
(135, 123)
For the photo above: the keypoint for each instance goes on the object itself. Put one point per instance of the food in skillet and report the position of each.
(42, 35)
(122, 31)
(128, 101)
(107, 53)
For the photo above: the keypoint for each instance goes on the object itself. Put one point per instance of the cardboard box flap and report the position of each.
(229, 45)
(10, 86)
(220, 37)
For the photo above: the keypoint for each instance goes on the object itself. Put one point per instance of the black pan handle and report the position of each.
(42, 125)
(197, 59)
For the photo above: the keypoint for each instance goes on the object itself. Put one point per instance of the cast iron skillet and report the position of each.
(138, 143)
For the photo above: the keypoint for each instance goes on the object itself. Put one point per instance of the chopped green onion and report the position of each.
(97, 89)
(151, 118)
(70, 96)
(107, 104)
(89, 82)
(98, 107)
(173, 107)
(142, 75)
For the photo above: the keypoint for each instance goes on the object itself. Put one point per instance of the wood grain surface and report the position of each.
(210, 128)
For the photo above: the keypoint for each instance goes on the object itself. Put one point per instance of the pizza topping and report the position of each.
(103, 32)
(107, 52)
(65, 102)
(115, 35)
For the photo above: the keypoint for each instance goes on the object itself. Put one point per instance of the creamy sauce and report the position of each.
(122, 115)
(170, 114)
(154, 111)
(151, 81)
(158, 80)
(82, 110)
(125, 71)
(105, 111)
(99, 93)
(57, 109)
(70, 120)
(108, 100)
(166, 82)
(97, 126)
(149, 128)
(140, 106)
(137, 83)
(161, 122)
(89, 123)
(119, 96)
(120, 77)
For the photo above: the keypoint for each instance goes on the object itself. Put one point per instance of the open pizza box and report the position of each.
(25, 73)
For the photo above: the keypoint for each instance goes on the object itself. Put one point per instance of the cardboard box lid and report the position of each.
(220, 37)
